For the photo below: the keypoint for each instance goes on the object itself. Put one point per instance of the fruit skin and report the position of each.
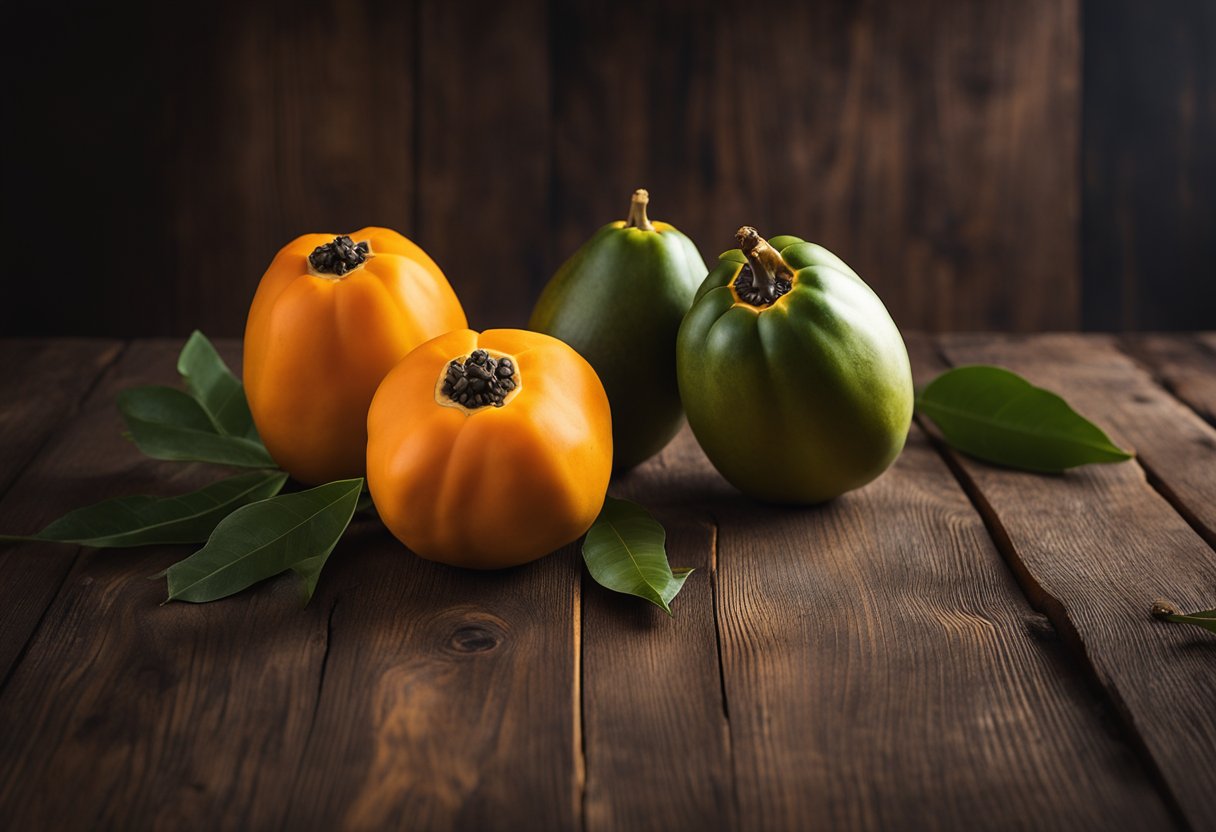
(805, 399)
(317, 348)
(497, 486)
(619, 301)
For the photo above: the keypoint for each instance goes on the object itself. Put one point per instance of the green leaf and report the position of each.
(169, 424)
(1164, 612)
(998, 416)
(215, 388)
(142, 520)
(292, 531)
(624, 551)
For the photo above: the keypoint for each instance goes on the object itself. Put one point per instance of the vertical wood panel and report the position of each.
(483, 153)
(1150, 165)
(305, 123)
(933, 146)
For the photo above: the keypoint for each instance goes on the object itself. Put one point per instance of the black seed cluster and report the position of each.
(479, 380)
(746, 288)
(340, 256)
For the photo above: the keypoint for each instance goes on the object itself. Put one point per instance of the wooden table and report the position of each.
(955, 646)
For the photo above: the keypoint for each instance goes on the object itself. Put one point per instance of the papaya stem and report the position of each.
(637, 211)
(768, 268)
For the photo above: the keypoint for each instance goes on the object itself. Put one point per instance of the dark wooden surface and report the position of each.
(954, 646)
(985, 165)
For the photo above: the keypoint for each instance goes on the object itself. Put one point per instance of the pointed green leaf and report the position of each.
(625, 552)
(168, 424)
(998, 416)
(142, 520)
(213, 386)
(263, 539)
(1205, 619)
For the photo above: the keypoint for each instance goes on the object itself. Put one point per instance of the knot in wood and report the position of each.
(474, 638)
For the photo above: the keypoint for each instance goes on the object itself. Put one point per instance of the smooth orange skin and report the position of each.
(498, 486)
(316, 349)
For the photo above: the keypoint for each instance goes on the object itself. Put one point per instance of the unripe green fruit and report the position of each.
(619, 301)
(794, 377)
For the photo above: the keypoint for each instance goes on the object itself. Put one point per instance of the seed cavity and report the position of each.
(748, 291)
(481, 380)
(340, 256)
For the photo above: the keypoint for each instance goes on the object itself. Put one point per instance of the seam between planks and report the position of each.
(316, 707)
(1052, 607)
(579, 736)
(1160, 379)
(730, 743)
(73, 410)
(1159, 485)
(1150, 474)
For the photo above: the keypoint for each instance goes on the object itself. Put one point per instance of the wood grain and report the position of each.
(936, 148)
(1184, 365)
(448, 698)
(41, 388)
(933, 147)
(483, 154)
(656, 736)
(883, 670)
(314, 111)
(1175, 447)
(123, 713)
(1149, 170)
(85, 462)
(1095, 547)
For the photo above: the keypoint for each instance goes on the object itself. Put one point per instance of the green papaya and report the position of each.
(619, 301)
(794, 377)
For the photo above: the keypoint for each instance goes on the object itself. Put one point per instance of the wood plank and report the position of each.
(1175, 447)
(124, 713)
(483, 153)
(654, 724)
(448, 698)
(883, 670)
(1183, 364)
(85, 462)
(1149, 174)
(946, 131)
(1095, 547)
(42, 386)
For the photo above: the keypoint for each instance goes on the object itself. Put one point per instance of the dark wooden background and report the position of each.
(1008, 164)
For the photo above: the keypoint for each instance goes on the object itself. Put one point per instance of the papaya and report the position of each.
(487, 450)
(795, 379)
(331, 316)
(619, 301)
